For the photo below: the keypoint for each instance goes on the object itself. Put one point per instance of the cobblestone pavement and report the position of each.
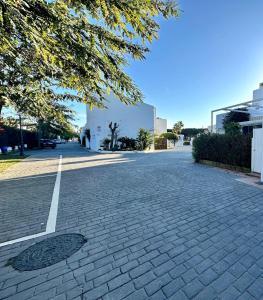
(158, 227)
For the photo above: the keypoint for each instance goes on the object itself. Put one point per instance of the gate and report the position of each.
(257, 150)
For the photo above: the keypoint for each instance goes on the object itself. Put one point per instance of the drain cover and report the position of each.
(48, 252)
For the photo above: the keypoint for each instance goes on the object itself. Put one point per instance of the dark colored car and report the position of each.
(45, 143)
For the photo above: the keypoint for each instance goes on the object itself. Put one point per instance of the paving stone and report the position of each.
(121, 292)
(244, 282)
(230, 293)
(172, 287)
(208, 276)
(193, 288)
(223, 282)
(118, 281)
(144, 279)
(157, 284)
(256, 289)
(140, 270)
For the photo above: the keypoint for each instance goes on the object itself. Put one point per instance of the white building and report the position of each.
(130, 118)
(160, 126)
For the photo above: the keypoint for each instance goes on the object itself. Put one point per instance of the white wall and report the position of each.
(220, 123)
(257, 95)
(160, 126)
(130, 119)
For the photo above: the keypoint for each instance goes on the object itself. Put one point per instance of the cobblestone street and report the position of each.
(157, 225)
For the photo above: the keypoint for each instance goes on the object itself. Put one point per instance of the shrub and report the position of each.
(228, 149)
(106, 144)
(144, 139)
(186, 143)
(160, 143)
(171, 136)
(10, 136)
(127, 143)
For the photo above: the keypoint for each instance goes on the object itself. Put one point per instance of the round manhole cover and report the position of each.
(48, 252)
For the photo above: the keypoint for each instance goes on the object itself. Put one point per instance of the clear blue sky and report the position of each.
(211, 56)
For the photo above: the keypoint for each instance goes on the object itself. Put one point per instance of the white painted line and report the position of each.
(22, 239)
(53, 211)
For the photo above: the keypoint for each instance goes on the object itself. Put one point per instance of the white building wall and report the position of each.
(220, 123)
(160, 126)
(257, 113)
(129, 118)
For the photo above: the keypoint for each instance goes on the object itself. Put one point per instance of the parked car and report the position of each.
(45, 143)
(59, 141)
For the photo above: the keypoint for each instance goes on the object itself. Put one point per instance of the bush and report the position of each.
(228, 149)
(106, 144)
(144, 139)
(127, 143)
(160, 143)
(186, 143)
(170, 136)
(10, 136)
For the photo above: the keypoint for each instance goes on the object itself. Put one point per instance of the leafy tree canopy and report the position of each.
(235, 116)
(79, 45)
(191, 132)
(170, 136)
(178, 126)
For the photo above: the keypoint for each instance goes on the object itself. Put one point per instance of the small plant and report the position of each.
(144, 139)
(171, 136)
(127, 143)
(106, 143)
(160, 143)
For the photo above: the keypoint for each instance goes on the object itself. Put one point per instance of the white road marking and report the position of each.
(22, 239)
(53, 211)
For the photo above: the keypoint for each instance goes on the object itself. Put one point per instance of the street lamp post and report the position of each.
(21, 137)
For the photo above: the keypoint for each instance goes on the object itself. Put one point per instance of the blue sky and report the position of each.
(211, 56)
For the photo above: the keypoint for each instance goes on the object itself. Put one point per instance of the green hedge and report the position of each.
(227, 149)
(10, 136)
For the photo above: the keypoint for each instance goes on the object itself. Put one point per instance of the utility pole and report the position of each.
(21, 137)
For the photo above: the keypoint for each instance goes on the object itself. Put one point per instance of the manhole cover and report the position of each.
(48, 252)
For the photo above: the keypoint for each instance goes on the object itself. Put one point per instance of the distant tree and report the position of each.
(191, 132)
(144, 139)
(236, 117)
(170, 136)
(178, 126)
(113, 129)
(232, 128)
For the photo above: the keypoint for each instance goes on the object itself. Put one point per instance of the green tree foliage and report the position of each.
(178, 126)
(170, 136)
(235, 116)
(78, 45)
(191, 132)
(144, 139)
(232, 128)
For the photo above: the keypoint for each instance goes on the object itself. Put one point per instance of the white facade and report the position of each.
(220, 123)
(130, 118)
(256, 113)
(160, 126)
